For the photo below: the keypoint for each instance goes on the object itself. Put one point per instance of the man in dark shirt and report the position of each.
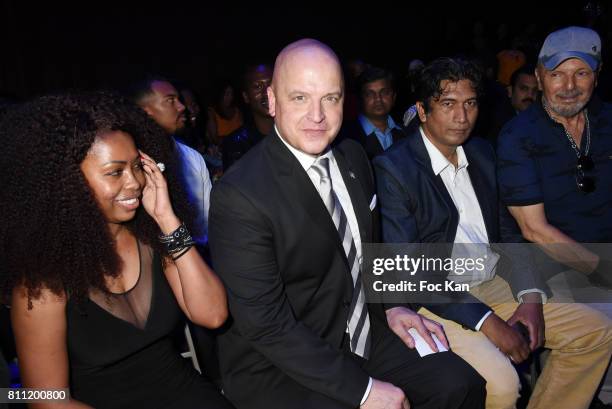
(555, 164)
(555, 160)
(256, 80)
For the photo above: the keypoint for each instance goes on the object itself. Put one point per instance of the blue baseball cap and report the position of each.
(571, 42)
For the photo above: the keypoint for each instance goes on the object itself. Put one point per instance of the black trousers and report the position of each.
(438, 381)
(441, 380)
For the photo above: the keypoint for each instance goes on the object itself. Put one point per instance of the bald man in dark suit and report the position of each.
(287, 223)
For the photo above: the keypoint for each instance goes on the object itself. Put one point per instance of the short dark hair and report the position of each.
(141, 88)
(526, 69)
(429, 82)
(372, 74)
(251, 67)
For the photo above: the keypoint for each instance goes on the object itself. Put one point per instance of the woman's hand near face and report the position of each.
(198, 291)
(155, 196)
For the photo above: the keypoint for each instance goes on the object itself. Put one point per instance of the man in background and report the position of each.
(374, 128)
(258, 123)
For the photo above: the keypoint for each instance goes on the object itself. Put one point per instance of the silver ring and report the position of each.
(161, 166)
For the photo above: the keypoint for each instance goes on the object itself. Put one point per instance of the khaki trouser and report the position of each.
(580, 339)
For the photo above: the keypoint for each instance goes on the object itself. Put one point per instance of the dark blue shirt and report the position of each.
(537, 164)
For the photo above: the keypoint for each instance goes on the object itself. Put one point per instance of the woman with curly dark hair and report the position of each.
(96, 261)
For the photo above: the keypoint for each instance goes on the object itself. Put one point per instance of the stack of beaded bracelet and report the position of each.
(178, 242)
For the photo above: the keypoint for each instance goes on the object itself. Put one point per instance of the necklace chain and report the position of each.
(569, 136)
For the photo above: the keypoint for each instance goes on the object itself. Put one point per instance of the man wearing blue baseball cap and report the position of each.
(571, 42)
(555, 176)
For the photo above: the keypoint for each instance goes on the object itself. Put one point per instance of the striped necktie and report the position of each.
(358, 318)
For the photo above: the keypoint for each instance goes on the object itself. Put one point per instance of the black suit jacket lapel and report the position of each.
(296, 182)
(373, 146)
(422, 158)
(356, 193)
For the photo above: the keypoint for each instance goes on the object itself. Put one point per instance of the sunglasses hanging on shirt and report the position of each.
(585, 184)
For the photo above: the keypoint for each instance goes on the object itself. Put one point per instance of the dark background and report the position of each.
(50, 46)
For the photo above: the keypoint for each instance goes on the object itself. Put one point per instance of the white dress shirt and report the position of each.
(198, 186)
(307, 160)
(471, 227)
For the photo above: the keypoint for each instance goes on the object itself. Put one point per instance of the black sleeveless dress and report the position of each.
(121, 353)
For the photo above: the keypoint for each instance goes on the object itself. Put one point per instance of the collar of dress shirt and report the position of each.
(438, 161)
(305, 159)
(368, 127)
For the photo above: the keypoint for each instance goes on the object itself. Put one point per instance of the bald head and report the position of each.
(306, 95)
(306, 49)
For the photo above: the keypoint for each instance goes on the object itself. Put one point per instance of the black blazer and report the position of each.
(416, 208)
(371, 144)
(289, 286)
